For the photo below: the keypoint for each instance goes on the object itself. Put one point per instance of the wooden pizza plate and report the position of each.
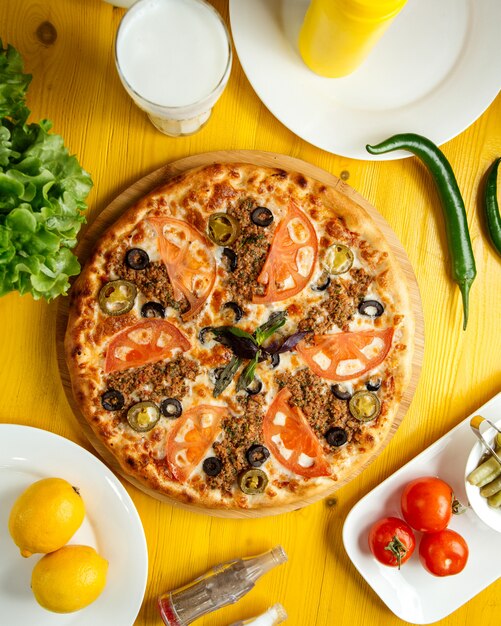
(160, 176)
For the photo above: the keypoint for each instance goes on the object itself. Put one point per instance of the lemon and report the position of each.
(69, 578)
(46, 516)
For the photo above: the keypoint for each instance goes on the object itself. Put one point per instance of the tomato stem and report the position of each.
(397, 548)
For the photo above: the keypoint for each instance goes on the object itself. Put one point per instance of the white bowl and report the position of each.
(489, 515)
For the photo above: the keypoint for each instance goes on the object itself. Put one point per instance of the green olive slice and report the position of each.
(252, 481)
(365, 406)
(338, 259)
(117, 297)
(143, 416)
(223, 229)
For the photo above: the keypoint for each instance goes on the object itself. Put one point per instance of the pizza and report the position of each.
(241, 338)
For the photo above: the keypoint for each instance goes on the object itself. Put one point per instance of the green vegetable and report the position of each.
(456, 225)
(495, 500)
(42, 193)
(491, 488)
(492, 215)
(488, 469)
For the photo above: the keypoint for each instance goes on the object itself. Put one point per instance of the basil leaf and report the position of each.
(226, 376)
(266, 330)
(287, 345)
(247, 376)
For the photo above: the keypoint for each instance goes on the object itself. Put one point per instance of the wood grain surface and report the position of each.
(160, 176)
(76, 86)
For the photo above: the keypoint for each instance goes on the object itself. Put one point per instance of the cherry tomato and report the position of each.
(291, 439)
(341, 349)
(391, 541)
(444, 553)
(427, 504)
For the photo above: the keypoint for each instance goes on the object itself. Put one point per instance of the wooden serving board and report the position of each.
(160, 176)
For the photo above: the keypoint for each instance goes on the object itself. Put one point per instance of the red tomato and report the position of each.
(189, 261)
(328, 352)
(145, 342)
(288, 435)
(191, 437)
(291, 258)
(391, 541)
(427, 504)
(444, 553)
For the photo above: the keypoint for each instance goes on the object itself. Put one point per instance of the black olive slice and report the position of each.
(374, 384)
(112, 400)
(235, 308)
(143, 416)
(212, 466)
(261, 216)
(257, 455)
(325, 281)
(204, 333)
(171, 407)
(252, 481)
(341, 392)
(365, 406)
(232, 258)
(152, 309)
(137, 259)
(371, 308)
(255, 387)
(117, 297)
(336, 436)
(275, 360)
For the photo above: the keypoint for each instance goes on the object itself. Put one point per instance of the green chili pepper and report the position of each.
(456, 225)
(491, 206)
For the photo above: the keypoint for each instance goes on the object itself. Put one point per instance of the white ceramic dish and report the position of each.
(411, 593)
(492, 517)
(111, 525)
(434, 72)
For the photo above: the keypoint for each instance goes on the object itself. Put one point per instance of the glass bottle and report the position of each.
(276, 614)
(222, 585)
(337, 35)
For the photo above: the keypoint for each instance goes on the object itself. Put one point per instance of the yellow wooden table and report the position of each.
(68, 47)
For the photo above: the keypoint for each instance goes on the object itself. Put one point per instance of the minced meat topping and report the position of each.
(340, 304)
(251, 248)
(240, 433)
(153, 382)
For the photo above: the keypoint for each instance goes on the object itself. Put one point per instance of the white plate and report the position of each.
(412, 593)
(434, 72)
(111, 525)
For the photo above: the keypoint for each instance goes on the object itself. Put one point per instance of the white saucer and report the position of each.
(434, 72)
(111, 525)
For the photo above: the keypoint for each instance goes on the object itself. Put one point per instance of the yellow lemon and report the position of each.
(69, 578)
(46, 516)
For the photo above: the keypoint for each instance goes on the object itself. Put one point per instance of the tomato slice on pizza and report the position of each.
(291, 258)
(191, 437)
(344, 356)
(291, 439)
(145, 342)
(189, 261)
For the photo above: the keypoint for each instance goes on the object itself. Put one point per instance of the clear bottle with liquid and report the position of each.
(276, 614)
(222, 585)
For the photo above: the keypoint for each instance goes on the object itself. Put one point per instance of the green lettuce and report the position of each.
(42, 194)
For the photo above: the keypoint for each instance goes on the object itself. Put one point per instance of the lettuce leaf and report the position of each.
(42, 194)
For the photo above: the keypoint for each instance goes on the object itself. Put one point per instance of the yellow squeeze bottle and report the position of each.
(337, 35)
